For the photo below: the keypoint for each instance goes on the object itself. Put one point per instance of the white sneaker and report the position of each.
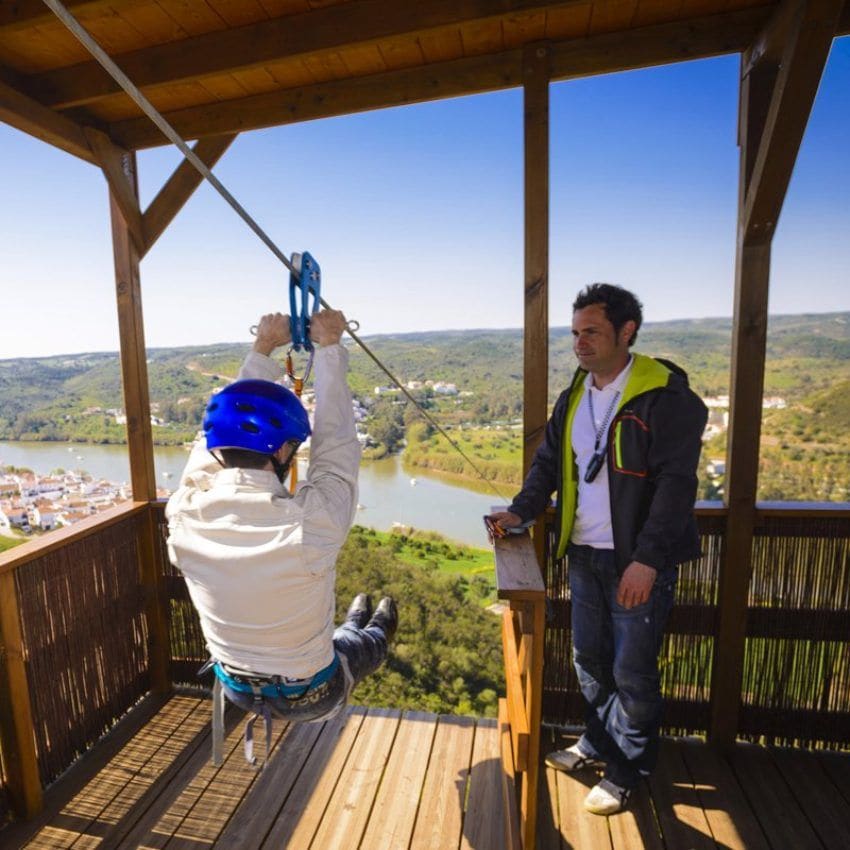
(570, 759)
(606, 798)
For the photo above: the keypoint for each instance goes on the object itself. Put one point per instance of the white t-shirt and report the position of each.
(592, 526)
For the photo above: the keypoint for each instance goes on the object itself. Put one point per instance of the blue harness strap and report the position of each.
(260, 686)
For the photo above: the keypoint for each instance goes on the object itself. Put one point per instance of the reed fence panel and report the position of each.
(796, 687)
(84, 639)
(188, 649)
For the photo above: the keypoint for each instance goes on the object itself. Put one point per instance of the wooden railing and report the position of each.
(520, 583)
(75, 644)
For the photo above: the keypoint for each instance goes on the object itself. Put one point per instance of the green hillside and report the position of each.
(808, 366)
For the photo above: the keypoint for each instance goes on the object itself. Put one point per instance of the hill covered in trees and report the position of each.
(805, 445)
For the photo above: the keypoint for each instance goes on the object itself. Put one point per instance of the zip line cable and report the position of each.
(85, 38)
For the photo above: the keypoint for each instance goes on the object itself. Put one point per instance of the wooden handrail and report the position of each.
(32, 550)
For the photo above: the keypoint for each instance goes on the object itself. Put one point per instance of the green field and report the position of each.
(473, 567)
(9, 542)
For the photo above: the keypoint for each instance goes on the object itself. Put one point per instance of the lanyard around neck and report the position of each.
(606, 419)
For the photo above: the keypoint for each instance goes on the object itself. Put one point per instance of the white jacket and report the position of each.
(259, 563)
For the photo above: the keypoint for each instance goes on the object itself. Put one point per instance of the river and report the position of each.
(387, 495)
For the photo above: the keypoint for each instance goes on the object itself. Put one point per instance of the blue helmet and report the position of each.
(257, 416)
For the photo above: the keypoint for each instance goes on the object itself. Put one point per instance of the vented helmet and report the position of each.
(257, 416)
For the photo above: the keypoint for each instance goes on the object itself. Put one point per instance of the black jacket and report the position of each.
(654, 444)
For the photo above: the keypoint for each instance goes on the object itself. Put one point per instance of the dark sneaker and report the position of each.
(570, 759)
(360, 610)
(385, 617)
(606, 798)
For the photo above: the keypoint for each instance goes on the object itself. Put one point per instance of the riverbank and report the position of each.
(389, 493)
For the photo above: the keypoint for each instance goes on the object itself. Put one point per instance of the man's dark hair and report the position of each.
(620, 305)
(243, 459)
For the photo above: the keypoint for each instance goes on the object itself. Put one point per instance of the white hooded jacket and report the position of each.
(259, 563)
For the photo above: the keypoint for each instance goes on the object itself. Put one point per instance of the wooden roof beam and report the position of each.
(307, 33)
(179, 188)
(599, 54)
(807, 28)
(25, 114)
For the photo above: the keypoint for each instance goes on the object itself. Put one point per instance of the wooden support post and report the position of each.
(134, 373)
(536, 338)
(16, 724)
(536, 305)
(779, 79)
(535, 621)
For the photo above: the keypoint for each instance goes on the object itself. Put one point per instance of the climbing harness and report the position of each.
(302, 695)
(171, 134)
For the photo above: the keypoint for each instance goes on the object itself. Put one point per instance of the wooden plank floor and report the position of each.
(759, 799)
(392, 780)
(375, 778)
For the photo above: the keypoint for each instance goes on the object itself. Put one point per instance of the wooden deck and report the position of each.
(759, 799)
(374, 778)
(391, 780)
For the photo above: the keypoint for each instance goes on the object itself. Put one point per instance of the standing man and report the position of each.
(621, 449)
(260, 563)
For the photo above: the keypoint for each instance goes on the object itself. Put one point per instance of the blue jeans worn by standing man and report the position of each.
(615, 651)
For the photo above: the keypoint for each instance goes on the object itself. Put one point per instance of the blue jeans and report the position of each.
(360, 652)
(615, 652)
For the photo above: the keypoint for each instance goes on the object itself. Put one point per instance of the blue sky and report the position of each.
(415, 215)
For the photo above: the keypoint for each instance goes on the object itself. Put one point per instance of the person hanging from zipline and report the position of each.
(260, 563)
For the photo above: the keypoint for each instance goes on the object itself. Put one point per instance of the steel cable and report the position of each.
(85, 38)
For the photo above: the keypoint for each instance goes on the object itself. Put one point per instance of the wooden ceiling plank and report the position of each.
(110, 158)
(179, 188)
(27, 13)
(239, 13)
(41, 49)
(276, 8)
(196, 18)
(522, 27)
(366, 59)
(256, 80)
(601, 54)
(327, 66)
(25, 114)
(153, 23)
(440, 45)
(612, 16)
(291, 73)
(225, 87)
(482, 37)
(800, 69)
(571, 22)
(405, 52)
(254, 45)
(656, 12)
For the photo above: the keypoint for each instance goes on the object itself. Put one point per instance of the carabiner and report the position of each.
(308, 280)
